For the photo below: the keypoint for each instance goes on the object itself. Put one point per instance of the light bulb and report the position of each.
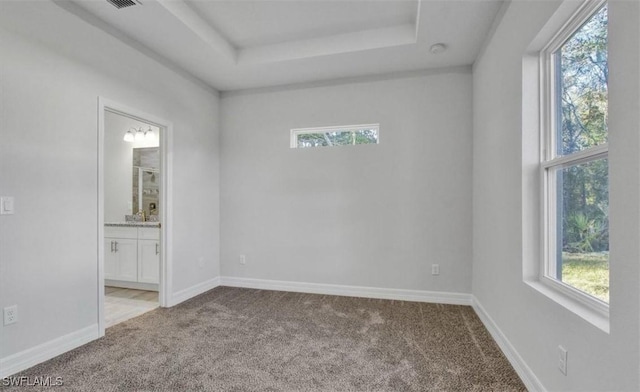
(139, 135)
(150, 135)
(128, 137)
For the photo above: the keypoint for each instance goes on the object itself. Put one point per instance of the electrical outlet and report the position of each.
(6, 205)
(243, 259)
(562, 360)
(11, 314)
(435, 269)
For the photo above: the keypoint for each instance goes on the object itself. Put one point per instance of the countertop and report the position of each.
(132, 224)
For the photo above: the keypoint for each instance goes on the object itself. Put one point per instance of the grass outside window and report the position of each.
(588, 272)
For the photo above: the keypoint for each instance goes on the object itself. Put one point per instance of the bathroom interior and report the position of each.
(131, 217)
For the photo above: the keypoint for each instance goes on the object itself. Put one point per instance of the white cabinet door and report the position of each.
(148, 261)
(110, 260)
(126, 251)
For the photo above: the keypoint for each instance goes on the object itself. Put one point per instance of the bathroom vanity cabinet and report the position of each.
(132, 256)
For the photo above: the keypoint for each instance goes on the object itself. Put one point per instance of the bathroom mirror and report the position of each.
(146, 181)
(124, 193)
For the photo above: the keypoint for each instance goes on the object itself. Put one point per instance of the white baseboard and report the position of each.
(45, 351)
(131, 285)
(524, 371)
(351, 291)
(192, 291)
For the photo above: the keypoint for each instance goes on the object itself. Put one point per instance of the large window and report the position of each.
(334, 136)
(574, 159)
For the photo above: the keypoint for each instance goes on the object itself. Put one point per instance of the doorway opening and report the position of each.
(134, 213)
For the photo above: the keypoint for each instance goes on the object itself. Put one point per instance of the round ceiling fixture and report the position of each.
(438, 48)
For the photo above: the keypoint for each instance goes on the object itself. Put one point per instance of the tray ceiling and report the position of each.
(242, 44)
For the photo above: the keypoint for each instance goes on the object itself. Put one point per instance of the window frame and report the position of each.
(293, 139)
(551, 161)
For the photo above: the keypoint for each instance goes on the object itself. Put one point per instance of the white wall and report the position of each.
(534, 324)
(366, 215)
(118, 165)
(52, 71)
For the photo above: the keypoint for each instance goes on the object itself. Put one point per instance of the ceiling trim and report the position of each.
(200, 27)
(497, 20)
(417, 22)
(458, 69)
(334, 44)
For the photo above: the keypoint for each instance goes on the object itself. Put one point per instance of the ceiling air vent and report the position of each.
(123, 3)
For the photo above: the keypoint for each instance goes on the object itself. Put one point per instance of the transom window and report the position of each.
(335, 136)
(574, 163)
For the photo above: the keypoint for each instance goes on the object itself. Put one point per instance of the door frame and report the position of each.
(166, 199)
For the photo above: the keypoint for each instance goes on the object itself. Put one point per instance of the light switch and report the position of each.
(6, 205)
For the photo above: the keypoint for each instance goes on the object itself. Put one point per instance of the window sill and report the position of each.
(589, 314)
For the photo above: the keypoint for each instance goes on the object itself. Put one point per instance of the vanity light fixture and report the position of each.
(138, 135)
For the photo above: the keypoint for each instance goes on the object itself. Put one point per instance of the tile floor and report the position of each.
(122, 304)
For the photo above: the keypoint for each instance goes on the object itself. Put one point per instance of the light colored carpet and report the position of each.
(254, 340)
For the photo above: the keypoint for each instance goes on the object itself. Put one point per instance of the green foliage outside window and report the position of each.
(583, 204)
(337, 138)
